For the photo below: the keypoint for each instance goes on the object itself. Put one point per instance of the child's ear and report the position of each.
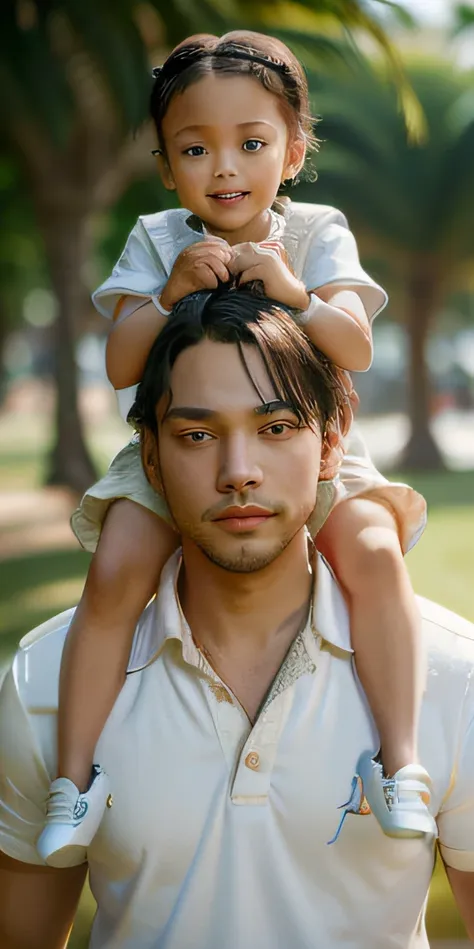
(295, 157)
(151, 460)
(164, 171)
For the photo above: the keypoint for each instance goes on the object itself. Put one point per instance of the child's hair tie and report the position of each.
(180, 60)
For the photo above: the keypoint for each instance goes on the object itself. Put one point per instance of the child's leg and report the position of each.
(360, 540)
(123, 576)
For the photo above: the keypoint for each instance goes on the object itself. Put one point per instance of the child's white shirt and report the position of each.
(320, 247)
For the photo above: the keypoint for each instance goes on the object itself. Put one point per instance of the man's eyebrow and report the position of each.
(193, 413)
(190, 412)
(276, 405)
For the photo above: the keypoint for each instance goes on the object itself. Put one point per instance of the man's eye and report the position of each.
(195, 150)
(197, 437)
(279, 428)
(253, 145)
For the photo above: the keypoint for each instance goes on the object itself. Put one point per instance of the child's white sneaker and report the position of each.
(400, 803)
(73, 819)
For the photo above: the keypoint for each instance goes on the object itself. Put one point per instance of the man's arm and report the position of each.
(462, 885)
(37, 904)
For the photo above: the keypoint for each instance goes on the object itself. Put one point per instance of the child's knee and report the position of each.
(377, 562)
(363, 545)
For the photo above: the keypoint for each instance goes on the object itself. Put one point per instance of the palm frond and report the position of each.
(463, 15)
(355, 18)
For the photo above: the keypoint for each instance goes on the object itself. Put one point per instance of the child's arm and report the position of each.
(339, 326)
(337, 322)
(198, 267)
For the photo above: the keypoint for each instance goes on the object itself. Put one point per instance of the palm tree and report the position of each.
(412, 205)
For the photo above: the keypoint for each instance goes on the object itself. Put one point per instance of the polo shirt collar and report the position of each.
(163, 618)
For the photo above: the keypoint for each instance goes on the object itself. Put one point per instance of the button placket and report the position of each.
(254, 770)
(233, 729)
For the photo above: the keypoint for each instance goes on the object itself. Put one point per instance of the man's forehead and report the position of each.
(221, 377)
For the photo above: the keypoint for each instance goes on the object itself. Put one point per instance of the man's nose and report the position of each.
(238, 470)
(225, 164)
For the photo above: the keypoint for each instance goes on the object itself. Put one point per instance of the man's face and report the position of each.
(240, 478)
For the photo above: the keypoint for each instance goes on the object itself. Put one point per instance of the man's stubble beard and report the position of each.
(245, 561)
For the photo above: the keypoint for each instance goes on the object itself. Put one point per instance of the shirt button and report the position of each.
(253, 760)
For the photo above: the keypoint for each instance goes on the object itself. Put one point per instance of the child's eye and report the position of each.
(253, 145)
(195, 150)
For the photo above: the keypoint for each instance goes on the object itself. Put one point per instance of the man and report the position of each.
(235, 737)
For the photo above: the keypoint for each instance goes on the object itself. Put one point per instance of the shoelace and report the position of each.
(407, 791)
(59, 807)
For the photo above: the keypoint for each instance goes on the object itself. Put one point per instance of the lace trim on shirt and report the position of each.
(296, 663)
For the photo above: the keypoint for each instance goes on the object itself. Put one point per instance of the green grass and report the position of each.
(441, 566)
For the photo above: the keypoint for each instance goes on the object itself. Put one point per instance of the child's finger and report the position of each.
(205, 276)
(219, 268)
(256, 272)
(214, 250)
(248, 255)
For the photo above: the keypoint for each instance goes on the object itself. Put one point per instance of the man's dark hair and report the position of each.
(301, 375)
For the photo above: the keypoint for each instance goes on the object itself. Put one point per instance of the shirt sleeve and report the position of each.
(456, 817)
(24, 780)
(138, 272)
(333, 258)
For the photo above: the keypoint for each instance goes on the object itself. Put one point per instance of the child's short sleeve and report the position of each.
(139, 272)
(333, 258)
(456, 817)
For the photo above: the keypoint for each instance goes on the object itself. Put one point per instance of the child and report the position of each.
(233, 123)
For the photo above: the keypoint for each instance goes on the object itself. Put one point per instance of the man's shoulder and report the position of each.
(445, 626)
(450, 644)
(36, 665)
(37, 662)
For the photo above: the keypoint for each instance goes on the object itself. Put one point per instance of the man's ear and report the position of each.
(165, 172)
(332, 452)
(295, 158)
(151, 459)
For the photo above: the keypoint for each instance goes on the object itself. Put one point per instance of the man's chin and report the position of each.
(247, 558)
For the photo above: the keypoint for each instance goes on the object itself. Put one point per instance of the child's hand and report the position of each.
(198, 267)
(268, 262)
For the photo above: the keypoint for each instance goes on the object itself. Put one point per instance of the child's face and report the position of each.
(228, 135)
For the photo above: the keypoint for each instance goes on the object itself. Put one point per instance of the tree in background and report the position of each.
(411, 204)
(75, 81)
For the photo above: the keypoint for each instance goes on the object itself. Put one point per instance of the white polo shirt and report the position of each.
(217, 838)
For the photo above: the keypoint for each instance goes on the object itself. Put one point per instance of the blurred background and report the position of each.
(392, 86)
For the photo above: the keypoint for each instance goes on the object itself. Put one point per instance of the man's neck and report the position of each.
(244, 612)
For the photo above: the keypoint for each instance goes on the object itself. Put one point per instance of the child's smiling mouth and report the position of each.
(228, 197)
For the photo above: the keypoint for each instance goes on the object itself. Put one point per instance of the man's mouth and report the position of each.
(228, 197)
(243, 519)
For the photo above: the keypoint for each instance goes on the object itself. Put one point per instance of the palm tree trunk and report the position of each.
(421, 452)
(65, 236)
